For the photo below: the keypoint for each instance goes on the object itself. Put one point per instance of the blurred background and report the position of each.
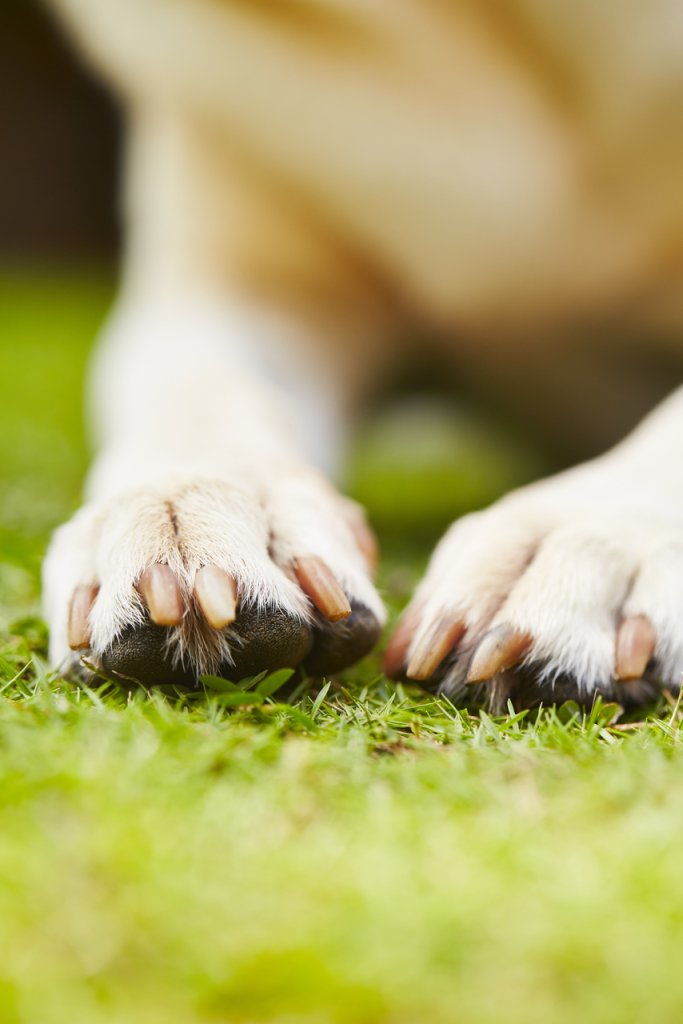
(429, 457)
(59, 237)
(58, 147)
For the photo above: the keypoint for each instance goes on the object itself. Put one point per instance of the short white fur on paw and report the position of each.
(546, 579)
(249, 530)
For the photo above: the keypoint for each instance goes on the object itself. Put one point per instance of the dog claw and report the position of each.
(635, 646)
(433, 648)
(500, 649)
(319, 583)
(161, 593)
(81, 603)
(367, 543)
(216, 594)
(396, 653)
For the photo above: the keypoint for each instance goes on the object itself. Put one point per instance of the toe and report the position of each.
(162, 595)
(502, 648)
(569, 599)
(141, 654)
(656, 598)
(265, 640)
(79, 613)
(336, 645)
(395, 659)
(434, 645)
(215, 592)
(320, 585)
(635, 647)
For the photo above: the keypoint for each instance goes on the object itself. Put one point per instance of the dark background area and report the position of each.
(59, 145)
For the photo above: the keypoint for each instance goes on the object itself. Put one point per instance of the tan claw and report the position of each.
(216, 594)
(501, 648)
(81, 603)
(319, 583)
(396, 653)
(367, 542)
(433, 648)
(161, 592)
(635, 646)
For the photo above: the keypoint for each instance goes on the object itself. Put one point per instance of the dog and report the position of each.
(303, 180)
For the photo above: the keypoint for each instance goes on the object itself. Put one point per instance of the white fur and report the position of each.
(296, 182)
(207, 438)
(566, 559)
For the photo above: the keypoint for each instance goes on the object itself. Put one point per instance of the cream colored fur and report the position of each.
(304, 177)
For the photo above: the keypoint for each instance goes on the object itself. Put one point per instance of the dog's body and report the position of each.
(304, 179)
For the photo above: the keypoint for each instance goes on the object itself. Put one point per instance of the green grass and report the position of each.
(363, 854)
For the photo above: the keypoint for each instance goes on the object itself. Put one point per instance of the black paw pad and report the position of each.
(529, 687)
(336, 645)
(140, 653)
(526, 688)
(268, 640)
(265, 641)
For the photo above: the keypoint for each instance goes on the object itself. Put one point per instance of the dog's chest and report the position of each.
(430, 139)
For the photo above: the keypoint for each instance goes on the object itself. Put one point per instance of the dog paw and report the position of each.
(169, 582)
(545, 597)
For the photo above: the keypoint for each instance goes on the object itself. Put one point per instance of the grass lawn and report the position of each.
(367, 854)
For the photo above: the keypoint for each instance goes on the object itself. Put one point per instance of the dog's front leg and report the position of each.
(572, 587)
(210, 540)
